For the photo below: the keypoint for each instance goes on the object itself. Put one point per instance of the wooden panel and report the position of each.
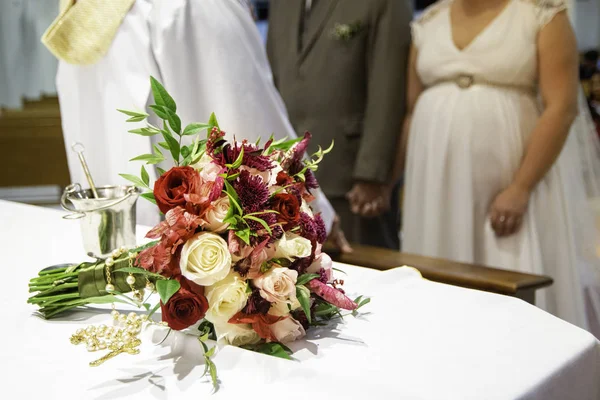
(453, 273)
(33, 146)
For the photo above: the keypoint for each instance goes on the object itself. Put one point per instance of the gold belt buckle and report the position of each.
(465, 81)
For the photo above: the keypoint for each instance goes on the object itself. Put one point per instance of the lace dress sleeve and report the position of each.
(546, 10)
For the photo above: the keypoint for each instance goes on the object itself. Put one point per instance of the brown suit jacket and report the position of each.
(349, 88)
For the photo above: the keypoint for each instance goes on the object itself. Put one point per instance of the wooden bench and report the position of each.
(478, 277)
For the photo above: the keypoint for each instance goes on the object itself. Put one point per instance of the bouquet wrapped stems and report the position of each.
(62, 289)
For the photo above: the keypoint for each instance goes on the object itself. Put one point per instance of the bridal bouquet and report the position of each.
(239, 249)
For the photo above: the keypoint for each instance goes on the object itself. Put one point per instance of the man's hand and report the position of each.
(337, 237)
(369, 199)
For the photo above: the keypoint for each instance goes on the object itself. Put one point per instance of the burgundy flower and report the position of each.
(320, 228)
(215, 142)
(288, 209)
(186, 307)
(307, 227)
(283, 179)
(252, 192)
(252, 158)
(256, 304)
(170, 189)
(310, 180)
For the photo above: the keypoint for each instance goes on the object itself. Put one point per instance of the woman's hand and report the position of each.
(507, 210)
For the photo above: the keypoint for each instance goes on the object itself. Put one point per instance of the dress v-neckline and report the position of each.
(481, 33)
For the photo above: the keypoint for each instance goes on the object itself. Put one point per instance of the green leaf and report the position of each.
(145, 177)
(233, 197)
(157, 151)
(213, 374)
(210, 352)
(166, 289)
(161, 96)
(305, 278)
(144, 131)
(326, 310)
(160, 112)
(149, 158)
(164, 145)
(260, 221)
(212, 121)
(185, 151)
(134, 179)
(244, 234)
(174, 121)
(207, 329)
(284, 262)
(133, 113)
(173, 145)
(283, 144)
(149, 196)
(195, 128)
(339, 270)
(238, 161)
(271, 349)
(136, 119)
(161, 171)
(303, 295)
(363, 302)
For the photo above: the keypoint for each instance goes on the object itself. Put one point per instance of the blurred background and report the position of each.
(29, 113)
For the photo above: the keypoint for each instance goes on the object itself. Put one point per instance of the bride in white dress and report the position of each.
(492, 176)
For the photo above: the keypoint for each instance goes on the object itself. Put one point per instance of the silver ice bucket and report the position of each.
(107, 222)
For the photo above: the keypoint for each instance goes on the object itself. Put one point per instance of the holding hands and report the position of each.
(369, 199)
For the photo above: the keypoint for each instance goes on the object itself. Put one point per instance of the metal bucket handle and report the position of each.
(76, 214)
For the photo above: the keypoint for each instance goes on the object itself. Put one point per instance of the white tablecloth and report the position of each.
(416, 340)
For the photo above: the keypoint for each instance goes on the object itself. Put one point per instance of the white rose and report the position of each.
(287, 330)
(283, 308)
(290, 246)
(205, 259)
(216, 214)
(226, 298)
(277, 285)
(236, 334)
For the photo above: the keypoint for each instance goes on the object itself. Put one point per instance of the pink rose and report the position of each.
(323, 261)
(287, 330)
(277, 285)
(210, 172)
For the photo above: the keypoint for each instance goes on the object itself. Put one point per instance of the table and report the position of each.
(416, 340)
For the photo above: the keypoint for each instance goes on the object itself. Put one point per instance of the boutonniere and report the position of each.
(346, 32)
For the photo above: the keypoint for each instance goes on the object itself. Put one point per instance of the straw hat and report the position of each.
(84, 30)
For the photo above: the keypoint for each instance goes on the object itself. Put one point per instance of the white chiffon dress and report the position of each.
(469, 132)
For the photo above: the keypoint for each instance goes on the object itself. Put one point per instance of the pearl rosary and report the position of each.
(123, 336)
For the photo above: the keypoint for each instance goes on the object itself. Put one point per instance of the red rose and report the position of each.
(186, 307)
(288, 207)
(170, 189)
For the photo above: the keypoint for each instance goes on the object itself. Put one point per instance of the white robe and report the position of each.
(209, 56)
